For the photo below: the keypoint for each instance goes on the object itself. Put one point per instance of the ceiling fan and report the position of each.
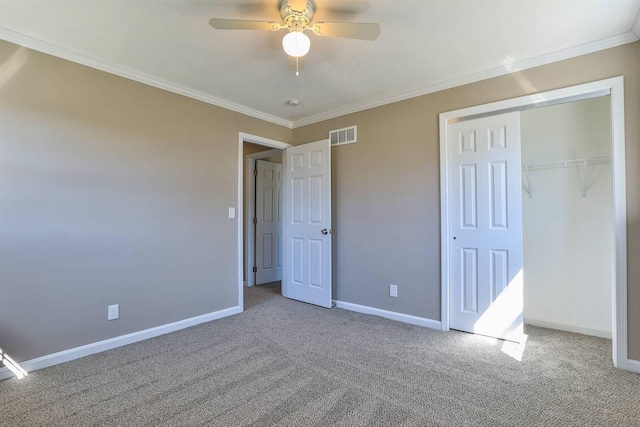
(296, 17)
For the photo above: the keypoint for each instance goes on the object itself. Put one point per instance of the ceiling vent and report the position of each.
(343, 136)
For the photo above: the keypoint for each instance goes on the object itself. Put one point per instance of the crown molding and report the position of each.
(80, 58)
(560, 55)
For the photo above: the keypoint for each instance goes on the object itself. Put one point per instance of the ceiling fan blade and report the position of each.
(292, 63)
(349, 30)
(298, 5)
(239, 24)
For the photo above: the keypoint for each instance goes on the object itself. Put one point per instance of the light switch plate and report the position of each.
(232, 212)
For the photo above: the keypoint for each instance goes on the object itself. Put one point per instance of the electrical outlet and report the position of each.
(393, 291)
(113, 312)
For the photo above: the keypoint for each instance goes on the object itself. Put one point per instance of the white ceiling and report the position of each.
(425, 45)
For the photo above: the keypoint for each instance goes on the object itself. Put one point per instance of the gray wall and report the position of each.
(111, 192)
(386, 186)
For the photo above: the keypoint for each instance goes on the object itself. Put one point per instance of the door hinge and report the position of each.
(255, 269)
(255, 172)
(255, 220)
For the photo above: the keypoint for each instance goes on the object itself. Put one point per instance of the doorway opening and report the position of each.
(263, 215)
(306, 220)
(257, 148)
(612, 87)
(307, 271)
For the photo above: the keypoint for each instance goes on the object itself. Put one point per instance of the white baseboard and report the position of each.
(569, 328)
(406, 318)
(97, 347)
(633, 365)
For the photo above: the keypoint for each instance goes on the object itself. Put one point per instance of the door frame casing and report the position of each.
(259, 140)
(613, 87)
(250, 188)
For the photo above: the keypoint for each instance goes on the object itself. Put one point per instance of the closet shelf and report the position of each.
(584, 163)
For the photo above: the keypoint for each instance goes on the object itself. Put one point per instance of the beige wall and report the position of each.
(111, 192)
(386, 186)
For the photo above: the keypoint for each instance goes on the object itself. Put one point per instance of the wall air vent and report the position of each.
(343, 136)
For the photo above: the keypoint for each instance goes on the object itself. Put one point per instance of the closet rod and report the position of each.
(563, 164)
(567, 163)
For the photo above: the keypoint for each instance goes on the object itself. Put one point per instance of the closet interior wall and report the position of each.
(568, 237)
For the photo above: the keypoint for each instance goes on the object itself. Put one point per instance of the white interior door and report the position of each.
(268, 221)
(307, 229)
(485, 196)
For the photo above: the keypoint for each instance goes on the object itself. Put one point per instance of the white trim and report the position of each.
(616, 88)
(111, 343)
(567, 327)
(636, 25)
(254, 139)
(401, 317)
(444, 224)
(551, 97)
(83, 59)
(618, 166)
(249, 189)
(502, 70)
(633, 365)
(284, 288)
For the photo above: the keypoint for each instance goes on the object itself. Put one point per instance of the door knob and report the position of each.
(325, 231)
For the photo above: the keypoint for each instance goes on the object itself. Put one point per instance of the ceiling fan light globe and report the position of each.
(296, 44)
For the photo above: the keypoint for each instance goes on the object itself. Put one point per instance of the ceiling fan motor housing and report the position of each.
(296, 20)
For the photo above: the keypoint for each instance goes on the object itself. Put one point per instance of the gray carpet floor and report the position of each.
(287, 363)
